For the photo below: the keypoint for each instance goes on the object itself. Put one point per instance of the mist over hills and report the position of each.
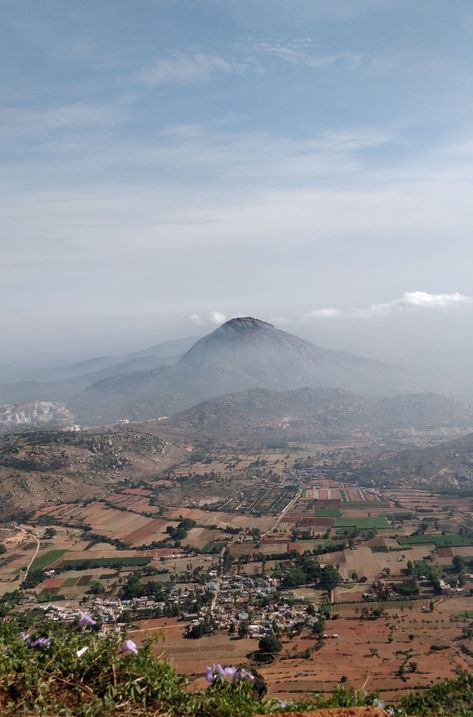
(244, 353)
(318, 411)
(61, 383)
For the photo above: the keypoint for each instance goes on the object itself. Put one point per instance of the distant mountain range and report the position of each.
(61, 383)
(242, 354)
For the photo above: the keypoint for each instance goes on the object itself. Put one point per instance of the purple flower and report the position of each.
(85, 620)
(209, 674)
(231, 672)
(243, 675)
(41, 642)
(219, 669)
(129, 648)
(24, 636)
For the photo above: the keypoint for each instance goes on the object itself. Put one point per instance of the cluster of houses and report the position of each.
(251, 606)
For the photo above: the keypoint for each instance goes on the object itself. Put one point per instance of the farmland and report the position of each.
(266, 512)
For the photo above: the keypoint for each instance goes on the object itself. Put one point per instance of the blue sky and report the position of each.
(169, 163)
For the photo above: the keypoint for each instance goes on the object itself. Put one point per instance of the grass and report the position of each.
(378, 522)
(440, 541)
(42, 561)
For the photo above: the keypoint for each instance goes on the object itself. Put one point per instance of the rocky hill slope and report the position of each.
(321, 410)
(446, 466)
(41, 466)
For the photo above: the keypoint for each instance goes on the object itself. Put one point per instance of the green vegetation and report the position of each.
(180, 531)
(328, 513)
(306, 570)
(453, 698)
(215, 546)
(439, 540)
(69, 582)
(377, 522)
(79, 673)
(42, 561)
(85, 563)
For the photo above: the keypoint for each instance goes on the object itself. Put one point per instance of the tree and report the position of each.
(227, 561)
(270, 644)
(243, 630)
(329, 577)
(3, 549)
(96, 587)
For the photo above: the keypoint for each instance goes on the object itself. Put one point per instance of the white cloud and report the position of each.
(188, 68)
(327, 313)
(414, 300)
(300, 58)
(196, 319)
(216, 317)
(409, 301)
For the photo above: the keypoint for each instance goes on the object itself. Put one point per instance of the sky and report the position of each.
(168, 164)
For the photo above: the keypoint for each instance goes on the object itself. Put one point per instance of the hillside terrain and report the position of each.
(242, 354)
(446, 466)
(318, 410)
(41, 466)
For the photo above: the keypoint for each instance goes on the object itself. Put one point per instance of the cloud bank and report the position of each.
(408, 301)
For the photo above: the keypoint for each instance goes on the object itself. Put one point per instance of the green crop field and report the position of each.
(43, 561)
(377, 521)
(69, 582)
(440, 541)
(84, 564)
(328, 513)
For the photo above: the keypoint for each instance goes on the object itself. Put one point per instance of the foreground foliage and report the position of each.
(72, 670)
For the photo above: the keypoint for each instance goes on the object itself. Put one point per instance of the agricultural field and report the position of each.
(439, 540)
(370, 653)
(271, 508)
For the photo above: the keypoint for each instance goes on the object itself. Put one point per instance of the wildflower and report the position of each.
(24, 636)
(82, 650)
(41, 642)
(209, 674)
(219, 669)
(129, 648)
(230, 672)
(243, 675)
(86, 620)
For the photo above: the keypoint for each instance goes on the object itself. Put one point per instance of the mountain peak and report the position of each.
(245, 323)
